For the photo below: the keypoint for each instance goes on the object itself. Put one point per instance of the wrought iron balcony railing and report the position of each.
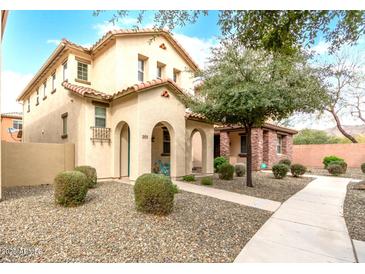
(100, 134)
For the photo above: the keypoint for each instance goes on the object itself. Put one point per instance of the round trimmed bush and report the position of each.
(335, 169)
(189, 178)
(240, 170)
(226, 172)
(219, 161)
(342, 163)
(285, 162)
(297, 170)
(90, 173)
(154, 193)
(363, 168)
(328, 159)
(280, 170)
(206, 181)
(70, 188)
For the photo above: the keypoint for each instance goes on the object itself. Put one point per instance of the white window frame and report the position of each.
(100, 116)
(53, 81)
(29, 104)
(83, 69)
(64, 71)
(18, 122)
(37, 99)
(44, 89)
(140, 69)
(279, 144)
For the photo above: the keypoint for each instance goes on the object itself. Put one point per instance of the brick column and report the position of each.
(257, 148)
(270, 156)
(288, 146)
(224, 145)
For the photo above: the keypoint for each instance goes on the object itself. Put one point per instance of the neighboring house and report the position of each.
(11, 127)
(270, 143)
(120, 103)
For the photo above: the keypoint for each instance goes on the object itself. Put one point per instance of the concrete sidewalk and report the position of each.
(308, 227)
(229, 196)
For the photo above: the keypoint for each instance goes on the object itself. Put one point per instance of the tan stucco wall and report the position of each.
(235, 148)
(34, 164)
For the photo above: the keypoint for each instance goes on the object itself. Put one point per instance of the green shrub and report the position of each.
(206, 181)
(218, 162)
(189, 178)
(240, 170)
(342, 163)
(363, 168)
(285, 162)
(90, 173)
(70, 188)
(335, 169)
(154, 193)
(226, 171)
(280, 170)
(175, 188)
(328, 159)
(297, 170)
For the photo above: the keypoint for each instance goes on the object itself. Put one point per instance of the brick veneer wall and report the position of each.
(269, 151)
(257, 148)
(224, 144)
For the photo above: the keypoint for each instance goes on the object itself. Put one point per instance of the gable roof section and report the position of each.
(148, 31)
(89, 92)
(17, 115)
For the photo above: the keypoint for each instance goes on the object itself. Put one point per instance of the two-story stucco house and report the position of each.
(120, 103)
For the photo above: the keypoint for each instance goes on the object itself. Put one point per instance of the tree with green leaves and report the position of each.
(285, 31)
(247, 87)
(314, 136)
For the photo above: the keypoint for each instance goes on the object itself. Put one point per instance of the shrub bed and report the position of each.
(240, 170)
(189, 178)
(285, 162)
(70, 188)
(206, 181)
(90, 173)
(218, 162)
(154, 193)
(280, 170)
(297, 170)
(342, 163)
(328, 159)
(226, 172)
(335, 169)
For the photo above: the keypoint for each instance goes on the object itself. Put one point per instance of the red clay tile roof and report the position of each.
(193, 115)
(83, 91)
(65, 41)
(265, 126)
(168, 35)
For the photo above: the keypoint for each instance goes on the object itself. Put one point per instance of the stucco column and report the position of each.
(224, 144)
(257, 148)
(288, 146)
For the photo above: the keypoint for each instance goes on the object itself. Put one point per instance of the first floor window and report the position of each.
(17, 124)
(100, 116)
(64, 124)
(140, 70)
(166, 141)
(243, 143)
(82, 71)
(279, 144)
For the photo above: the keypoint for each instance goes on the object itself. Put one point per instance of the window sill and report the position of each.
(82, 81)
(64, 136)
(242, 154)
(44, 98)
(165, 154)
(53, 91)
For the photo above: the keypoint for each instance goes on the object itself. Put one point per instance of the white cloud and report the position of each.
(53, 41)
(198, 48)
(126, 22)
(321, 48)
(12, 84)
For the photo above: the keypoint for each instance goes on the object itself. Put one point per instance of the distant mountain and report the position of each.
(353, 130)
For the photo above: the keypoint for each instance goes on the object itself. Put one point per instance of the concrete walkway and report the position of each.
(308, 227)
(229, 196)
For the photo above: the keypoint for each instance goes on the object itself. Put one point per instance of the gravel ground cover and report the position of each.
(107, 228)
(354, 212)
(265, 186)
(354, 173)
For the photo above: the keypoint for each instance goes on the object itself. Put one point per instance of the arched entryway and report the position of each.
(198, 153)
(122, 150)
(162, 149)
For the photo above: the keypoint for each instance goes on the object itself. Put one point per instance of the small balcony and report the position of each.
(100, 134)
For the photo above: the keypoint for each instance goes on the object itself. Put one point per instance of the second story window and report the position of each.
(81, 71)
(159, 72)
(53, 82)
(28, 104)
(17, 124)
(44, 90)
(100, 116)
(175, 75)
(140, 70)
(64, 71)
(37, 99)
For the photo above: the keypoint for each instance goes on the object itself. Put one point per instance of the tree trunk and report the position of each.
(249, 157)
(341, 129)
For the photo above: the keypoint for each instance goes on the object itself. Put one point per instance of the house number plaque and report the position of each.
(144, 136)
